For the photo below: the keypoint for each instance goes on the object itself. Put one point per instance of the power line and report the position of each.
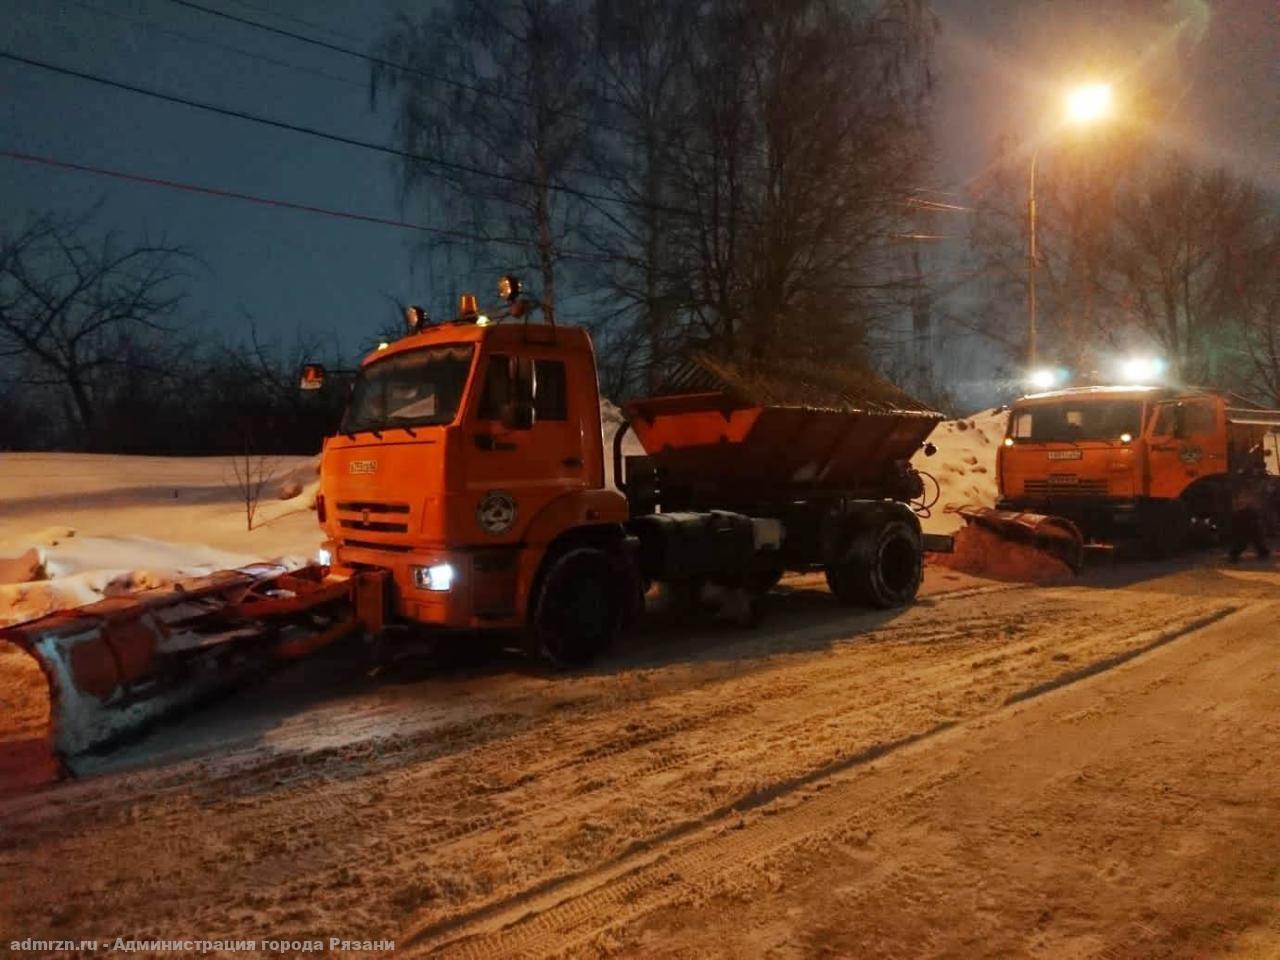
(295, 19)
(219, 45)
(447, 80)
(389, 64)
(275, 202)
(332, 137)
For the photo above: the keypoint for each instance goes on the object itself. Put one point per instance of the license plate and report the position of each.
(1065, 454)
(363, 466)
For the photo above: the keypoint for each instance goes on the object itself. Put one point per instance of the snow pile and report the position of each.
(964, 466)
(75, 528)
(69, 571)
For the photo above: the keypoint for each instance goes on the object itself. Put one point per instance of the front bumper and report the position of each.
(471, 603)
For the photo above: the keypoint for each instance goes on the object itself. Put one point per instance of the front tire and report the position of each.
(882, 567)
(581, 605)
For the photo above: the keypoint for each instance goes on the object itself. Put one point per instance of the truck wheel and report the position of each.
(585, 597)
(882, 567)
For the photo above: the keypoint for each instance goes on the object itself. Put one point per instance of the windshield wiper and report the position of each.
(409, 430)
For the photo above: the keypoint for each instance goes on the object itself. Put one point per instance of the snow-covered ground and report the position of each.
(75, 527)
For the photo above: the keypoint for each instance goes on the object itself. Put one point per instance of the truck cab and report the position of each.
(467, 452)
(467, 480)
(1144, 462)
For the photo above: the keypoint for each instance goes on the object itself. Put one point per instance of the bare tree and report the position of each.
(252, 473)
(1261, 317)
(1183, 265)
(498, 103)
(1076, 196)
(773, 150)
(70, 308)
(1139, 250)
(643, 58)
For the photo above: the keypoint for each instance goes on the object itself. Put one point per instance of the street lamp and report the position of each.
(1085, 104)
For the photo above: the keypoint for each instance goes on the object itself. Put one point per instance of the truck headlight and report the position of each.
(324, 557)
(437, 577)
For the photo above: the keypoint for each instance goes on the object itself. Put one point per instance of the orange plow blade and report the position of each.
(115, 666)
(1056, 536)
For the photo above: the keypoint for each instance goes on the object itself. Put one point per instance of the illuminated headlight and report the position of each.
(324, 557)
(438, 577)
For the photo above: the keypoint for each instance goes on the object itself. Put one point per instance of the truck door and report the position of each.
(532, 466)
(1187, 440)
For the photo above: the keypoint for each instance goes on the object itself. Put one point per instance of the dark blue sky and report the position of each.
(294, 271)
(289, 270)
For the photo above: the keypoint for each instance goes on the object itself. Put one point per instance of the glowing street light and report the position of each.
(1085, 104)
(1089, 103)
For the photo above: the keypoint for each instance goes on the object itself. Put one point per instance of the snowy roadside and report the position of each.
(77, 528)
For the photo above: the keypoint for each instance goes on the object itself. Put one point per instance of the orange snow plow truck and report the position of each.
(466, 490)
(1152, 468)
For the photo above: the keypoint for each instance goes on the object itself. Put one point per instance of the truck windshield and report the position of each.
(1077, 420)
(417, 388)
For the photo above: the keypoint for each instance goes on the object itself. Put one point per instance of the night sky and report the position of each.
(1217, 65)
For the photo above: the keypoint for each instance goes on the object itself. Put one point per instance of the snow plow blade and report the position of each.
(115, 666)
(1056, 536)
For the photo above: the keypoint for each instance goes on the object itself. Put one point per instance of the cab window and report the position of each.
(1185, 419)
(1198, 418)
(497, 389)
(550, 401)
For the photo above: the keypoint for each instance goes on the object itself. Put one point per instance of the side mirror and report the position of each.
(524, 390)
(312, 378)
(1179, 422)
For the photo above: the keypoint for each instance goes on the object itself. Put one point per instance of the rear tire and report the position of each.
(585, 597)
(882, 567)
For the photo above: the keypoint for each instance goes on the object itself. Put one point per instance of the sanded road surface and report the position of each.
(1082, 770)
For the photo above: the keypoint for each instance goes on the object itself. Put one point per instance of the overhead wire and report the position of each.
(388, 64)
(340, 138)
(441, 78)
(262, 200)
(217, 44)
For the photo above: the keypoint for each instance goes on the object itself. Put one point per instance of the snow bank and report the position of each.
(964, 466)
(75, 528)
(72, 571)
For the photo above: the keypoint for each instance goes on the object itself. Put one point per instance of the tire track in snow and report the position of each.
(561, 914)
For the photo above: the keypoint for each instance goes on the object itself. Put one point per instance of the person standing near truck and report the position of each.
(1251, 513)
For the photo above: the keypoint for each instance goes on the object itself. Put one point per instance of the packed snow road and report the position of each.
(1082, 770)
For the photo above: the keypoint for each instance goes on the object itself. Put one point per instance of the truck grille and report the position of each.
(373, 545)
(1064, 485)
(373, 516)
(363, 506)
